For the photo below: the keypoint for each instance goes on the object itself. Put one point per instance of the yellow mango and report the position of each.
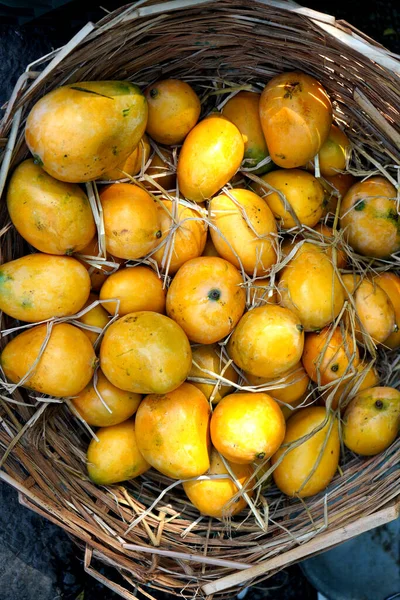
(122, 404)
(310, 287)
(115, 457)
(372, 420)
(302, 191)
(267, 341)
(79, 131)
(296, 117)
(244, 220)
(212, 497)
(247, 426)
(243, 111)
(172, 432)
(188, 240)
(145, 352)
(291, 474)
(53, 216)
(37, 287)
(65, 367)
(374, 309)
(369, 217)
(210, 156)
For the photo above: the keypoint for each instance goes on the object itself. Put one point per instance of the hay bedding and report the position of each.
(146, 528)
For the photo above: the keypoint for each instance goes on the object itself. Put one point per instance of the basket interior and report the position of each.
(210, 45)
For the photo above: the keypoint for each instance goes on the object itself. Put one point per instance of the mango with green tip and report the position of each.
(243, 111)
(79, 131)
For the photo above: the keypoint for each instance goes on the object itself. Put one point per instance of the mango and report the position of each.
(293, 474)
(120, 405)
(136, 288)
(174, 109)
(247, 426)
(66, 366)
(210, 156)
(369, 217)
(296, 117)
(212, 497)
(372, 420)
(79, 131)
(244, 231)
(40, 286)
(267, 342)
(115, 457)
(243, 110)
(310, 287)
(53, 216)
(300, 189)
(172, 432)
(145, 352)
(131, 221)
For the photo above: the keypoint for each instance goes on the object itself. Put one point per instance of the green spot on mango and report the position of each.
(27, 302)
(4, 277)
(37, 160)
(360, 205)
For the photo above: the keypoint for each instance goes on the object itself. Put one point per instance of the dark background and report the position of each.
(37, 560)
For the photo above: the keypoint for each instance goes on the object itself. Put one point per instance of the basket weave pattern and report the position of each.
(209, 44)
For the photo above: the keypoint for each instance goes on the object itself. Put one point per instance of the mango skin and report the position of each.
(79, 131)
(122, 404)
(209, 357)
(310, 287)
(37, 287)
(247, 426)
(303, 192)
(96, 317)
(296, 117)
(369, 217)
(211, 496)
(294, 469)
(243, 111)
(189, 239)
(231, 218)
(173, 432)
(53, 216)
(390, 283)
(267, 341)
(372, 420)
(210, 156)
(145, 352)
(115, 457)
(65, 367)
(131, 221)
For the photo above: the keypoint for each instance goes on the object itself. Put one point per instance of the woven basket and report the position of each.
(169, 547)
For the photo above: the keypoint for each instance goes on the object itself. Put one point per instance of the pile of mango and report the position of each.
(205, 304)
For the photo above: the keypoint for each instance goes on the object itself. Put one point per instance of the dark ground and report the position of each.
(37, 560)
